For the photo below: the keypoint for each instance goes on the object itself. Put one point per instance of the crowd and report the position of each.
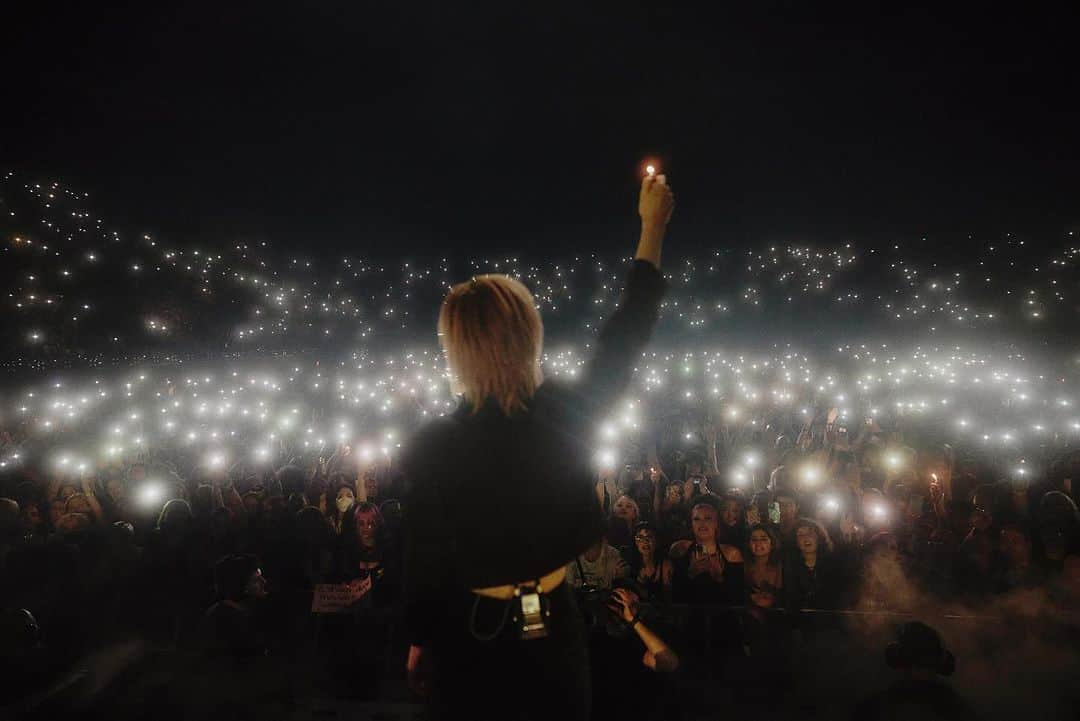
(252, 536)
(701, 573)
(81, 291)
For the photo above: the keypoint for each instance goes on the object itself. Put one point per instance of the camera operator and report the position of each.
(499, 496)
(630, 681)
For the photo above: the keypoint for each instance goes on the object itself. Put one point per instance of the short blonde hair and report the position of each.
(492, 335)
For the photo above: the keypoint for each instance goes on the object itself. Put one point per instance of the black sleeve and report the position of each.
(428, 566)
(623, 338)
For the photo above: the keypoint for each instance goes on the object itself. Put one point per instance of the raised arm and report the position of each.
(627, 331)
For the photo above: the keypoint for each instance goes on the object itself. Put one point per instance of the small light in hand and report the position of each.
(650, 170)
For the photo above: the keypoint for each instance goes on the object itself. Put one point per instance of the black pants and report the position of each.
(507, 678)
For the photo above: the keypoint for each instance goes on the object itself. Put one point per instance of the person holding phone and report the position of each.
(706, 570)
(499, 496)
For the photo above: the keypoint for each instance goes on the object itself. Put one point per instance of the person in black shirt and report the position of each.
(921, 660)
(231, 628)
(809, 580)
(499, 497)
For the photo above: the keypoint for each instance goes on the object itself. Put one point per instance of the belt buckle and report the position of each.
(532, 614)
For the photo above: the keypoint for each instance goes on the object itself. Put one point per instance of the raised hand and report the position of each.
(656, 201)
(624, 604)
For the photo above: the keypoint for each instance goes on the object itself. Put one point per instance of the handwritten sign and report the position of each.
(337, 597)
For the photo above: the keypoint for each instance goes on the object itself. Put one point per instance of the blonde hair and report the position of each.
(492, 335)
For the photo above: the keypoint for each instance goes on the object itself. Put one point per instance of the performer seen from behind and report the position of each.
(500, 496)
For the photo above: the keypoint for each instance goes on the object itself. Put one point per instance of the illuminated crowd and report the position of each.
(197, 503)
(935, 477)
(80, 291)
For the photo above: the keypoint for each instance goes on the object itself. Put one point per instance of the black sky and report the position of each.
(406, 127)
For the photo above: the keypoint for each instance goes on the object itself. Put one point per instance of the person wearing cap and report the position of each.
(231, 627)
(919, 691)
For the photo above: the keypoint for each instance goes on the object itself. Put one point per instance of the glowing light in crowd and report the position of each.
(151, 494)
(996, 397)
(606, 458)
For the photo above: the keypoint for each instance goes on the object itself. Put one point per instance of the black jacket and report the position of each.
(492, 500)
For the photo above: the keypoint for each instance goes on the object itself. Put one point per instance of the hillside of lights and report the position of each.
(126, 346)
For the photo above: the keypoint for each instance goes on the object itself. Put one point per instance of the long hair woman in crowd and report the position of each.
(815, 576)
(499, 497)
(648, 564)
(764, 630)
(341, 500)
(732, 520)
(764, 572)
(367, 553)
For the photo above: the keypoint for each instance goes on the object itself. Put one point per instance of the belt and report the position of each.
(547, 582)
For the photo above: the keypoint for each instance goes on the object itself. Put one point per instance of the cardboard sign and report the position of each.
(337, 597)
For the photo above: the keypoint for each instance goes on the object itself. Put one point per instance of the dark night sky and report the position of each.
(381, 129)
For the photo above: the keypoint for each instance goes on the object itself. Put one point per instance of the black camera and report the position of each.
(593, 602)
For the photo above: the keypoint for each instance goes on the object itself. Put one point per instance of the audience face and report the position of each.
(704, 524)
(789, 510)
(367, 526)
(625, 509)
(806, 540)
(730, 510)
(760, 544)
(673, 496)
(345, 499)
(31, 517)
(114, 489)
(645, 542)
